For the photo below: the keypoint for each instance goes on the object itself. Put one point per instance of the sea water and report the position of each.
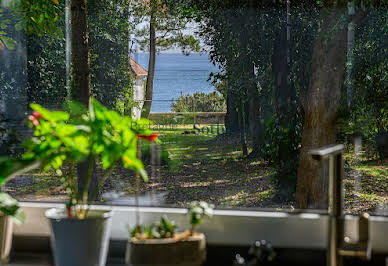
(177, 74)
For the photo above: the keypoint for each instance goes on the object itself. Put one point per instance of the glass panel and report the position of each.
(239, 93)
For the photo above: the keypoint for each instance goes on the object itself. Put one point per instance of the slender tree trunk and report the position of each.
(255, 129)
(81, 89)
(253, 99)
(320, 106)
(254, 115)
(241, 118)
(151, 71)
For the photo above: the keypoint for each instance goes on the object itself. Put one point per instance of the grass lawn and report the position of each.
(202, 167)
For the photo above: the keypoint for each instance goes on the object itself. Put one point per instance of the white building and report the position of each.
(138, 74)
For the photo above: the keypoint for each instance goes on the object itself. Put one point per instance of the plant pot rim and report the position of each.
(61, 214)
(193, 238)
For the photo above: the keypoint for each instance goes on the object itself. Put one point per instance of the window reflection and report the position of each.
(239, 92)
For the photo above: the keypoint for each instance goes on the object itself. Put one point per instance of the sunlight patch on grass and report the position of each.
(265, 194)
(255, 163)
(379, 171)
(234, 199)
(371, 197)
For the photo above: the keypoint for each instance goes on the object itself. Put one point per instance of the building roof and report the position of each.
(137, 69)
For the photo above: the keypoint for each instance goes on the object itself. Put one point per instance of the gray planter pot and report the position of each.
(80, 242)
(6, 229)
(167, 252)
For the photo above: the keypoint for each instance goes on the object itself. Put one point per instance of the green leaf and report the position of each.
(59, 116)
(9, 43)
(13, 167)
(43, 111)
(50, 116)
(19, 217)
(10, 207)
(143, 174)
(75, 108)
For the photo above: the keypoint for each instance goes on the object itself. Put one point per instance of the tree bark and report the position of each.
(81, 89)
(253, 100)
(255, 129)
(231, 117)
(241, 118)
(320, 106)
(80, 58)
(282, 92)
(151, 71)
(284, 108)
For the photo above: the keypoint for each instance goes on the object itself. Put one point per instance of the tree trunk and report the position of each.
(285, 109)
(151, 71)
(253, 99)
(81, 90)
(253, 113)
(320, 106)
(241, 118)
(231, 117)
(283, 94)
(255, 129)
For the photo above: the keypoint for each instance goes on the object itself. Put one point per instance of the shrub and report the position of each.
(200, 102)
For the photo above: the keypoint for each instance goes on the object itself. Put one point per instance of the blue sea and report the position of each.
(176, 74)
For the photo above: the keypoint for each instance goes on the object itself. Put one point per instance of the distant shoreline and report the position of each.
(176, 73)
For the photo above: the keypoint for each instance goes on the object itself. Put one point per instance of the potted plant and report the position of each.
(79, 135)
(10, 213)
(166, 245)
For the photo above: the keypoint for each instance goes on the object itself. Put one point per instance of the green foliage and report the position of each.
(40, 17)
(200, 102)
(4, 39)
(37, 17)
(243, 36)
(165, 229)
(162, 152)
(289, 136)
(197, 212)
(46, 68)
(110, 69)
(169, 23)
(6, 19)
(136, 231)
(12, 167)
(368, 111)
(162, 229)
(10, 207)
(78, 135)
(173, 119)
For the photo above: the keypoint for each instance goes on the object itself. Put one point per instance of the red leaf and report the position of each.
(151, 137)
(37, 115)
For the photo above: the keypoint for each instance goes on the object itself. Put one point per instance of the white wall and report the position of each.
(138, 97)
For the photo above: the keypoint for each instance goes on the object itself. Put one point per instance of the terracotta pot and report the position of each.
(6, 230)
(163, 252)
(80, 242)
